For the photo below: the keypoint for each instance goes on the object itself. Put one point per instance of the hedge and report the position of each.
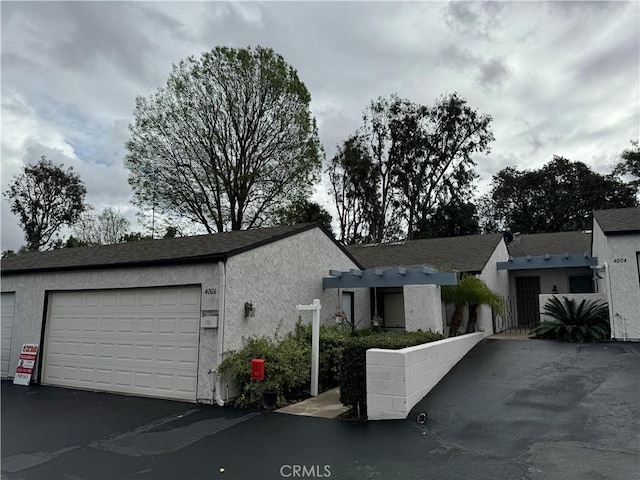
(353, 365)
(287, 364)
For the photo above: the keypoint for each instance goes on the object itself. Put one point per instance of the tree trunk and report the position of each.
(473, 319)
(456, 320)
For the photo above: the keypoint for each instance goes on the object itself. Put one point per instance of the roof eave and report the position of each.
(119, 265)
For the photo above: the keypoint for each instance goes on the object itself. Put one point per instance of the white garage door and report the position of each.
(137, 341)
(7, 305)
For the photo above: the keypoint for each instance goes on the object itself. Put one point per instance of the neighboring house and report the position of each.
(411, 307)
(541, 264)
(616, 243)
(154, 318)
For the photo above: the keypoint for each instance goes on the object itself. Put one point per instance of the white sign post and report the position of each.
(315, 343)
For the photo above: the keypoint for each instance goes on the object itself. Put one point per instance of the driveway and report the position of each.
(509, 410)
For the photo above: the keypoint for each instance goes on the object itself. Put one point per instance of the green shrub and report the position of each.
(286, 369)
(586, 322)
(287, 365)
(353, 364)
(332, 340)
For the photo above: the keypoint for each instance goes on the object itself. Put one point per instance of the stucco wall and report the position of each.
(496, 280)
(422, 308)
(277, 277)
(620, 253)
(30, 293)
(398, 379)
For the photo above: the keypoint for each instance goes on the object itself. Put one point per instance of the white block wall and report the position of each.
(398, 379)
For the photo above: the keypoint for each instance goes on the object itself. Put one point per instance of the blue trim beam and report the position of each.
(567, 260)
(388, 277)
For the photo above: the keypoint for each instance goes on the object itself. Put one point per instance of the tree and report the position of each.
(450, 220)
(304, 211)
(135, 237)
(630, 166)
(559, 197)
(45, 197)
(405, 161)
(432, 148)
(472, 292)
(354, 184)
(11, 253)
(107, 228)
(227, 141)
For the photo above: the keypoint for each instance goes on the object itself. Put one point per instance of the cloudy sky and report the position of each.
(558, 77)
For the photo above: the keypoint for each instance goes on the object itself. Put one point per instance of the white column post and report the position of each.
(315, 343)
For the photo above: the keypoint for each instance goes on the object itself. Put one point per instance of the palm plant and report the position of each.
(586, 322)
(473, 292)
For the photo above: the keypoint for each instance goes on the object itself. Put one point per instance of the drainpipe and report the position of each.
(610, 300)
(222, 268)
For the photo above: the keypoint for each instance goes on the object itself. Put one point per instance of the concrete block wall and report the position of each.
(398, 379)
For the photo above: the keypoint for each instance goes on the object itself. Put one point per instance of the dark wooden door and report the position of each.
(527, 292)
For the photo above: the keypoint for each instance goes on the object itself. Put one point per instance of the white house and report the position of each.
(154, 318)
(412, 306)
(544, 264)
(616, 244)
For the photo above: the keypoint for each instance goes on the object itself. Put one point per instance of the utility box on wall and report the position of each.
(257, 369)
(209, 319)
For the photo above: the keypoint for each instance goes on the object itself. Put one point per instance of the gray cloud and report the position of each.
(477, 19)
(557, 77)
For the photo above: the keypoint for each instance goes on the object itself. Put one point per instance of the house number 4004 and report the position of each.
(619, 260)
(210, 291)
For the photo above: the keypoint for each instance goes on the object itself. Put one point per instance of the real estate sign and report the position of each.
(26, 363)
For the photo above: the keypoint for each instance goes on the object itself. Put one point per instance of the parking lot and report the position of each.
(511, 409)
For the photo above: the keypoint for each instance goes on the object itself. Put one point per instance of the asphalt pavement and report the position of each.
(513, 410)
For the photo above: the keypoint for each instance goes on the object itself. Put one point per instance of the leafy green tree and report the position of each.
(45, 197)
(304, 211)
(558, 197)
(74, 242)
(106, 228)
(472, 292)
(450, 220)
(432, 150)
(354, 185)
(171, 232)
(403, 163)
(630, 166)
(227, 141)
(12, 253)
(361, 176)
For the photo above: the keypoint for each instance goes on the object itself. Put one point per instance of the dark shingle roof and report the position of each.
(464, 254)
(551, 243)
(196, 249)
(618, 221)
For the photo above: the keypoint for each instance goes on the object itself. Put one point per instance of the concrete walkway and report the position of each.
(325, 405)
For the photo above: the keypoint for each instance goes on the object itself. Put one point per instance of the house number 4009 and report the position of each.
(619, 260)
(210, 291)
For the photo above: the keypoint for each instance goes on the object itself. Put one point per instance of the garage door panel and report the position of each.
(141, 341)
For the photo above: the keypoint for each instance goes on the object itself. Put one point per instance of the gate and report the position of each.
(519, 316)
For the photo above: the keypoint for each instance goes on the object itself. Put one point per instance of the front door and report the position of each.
(527, 294)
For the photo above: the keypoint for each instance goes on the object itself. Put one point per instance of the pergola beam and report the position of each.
(388, 277)
(531, 262)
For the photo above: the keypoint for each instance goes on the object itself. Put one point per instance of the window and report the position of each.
(581, 284)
